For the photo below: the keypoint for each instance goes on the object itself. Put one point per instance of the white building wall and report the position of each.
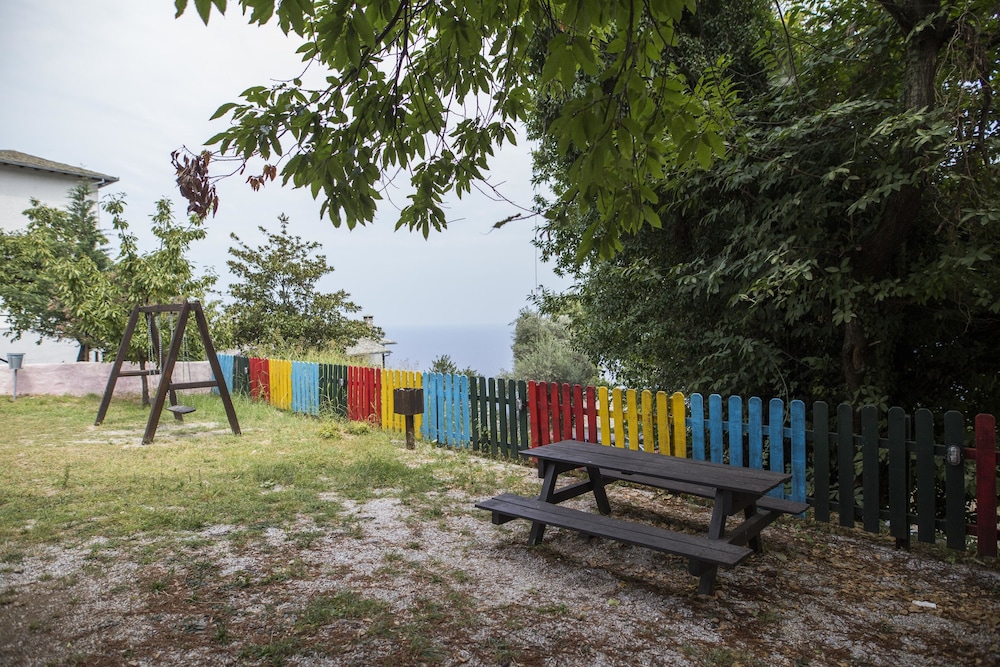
(18, 186)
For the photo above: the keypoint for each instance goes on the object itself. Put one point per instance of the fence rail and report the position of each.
(890, 472)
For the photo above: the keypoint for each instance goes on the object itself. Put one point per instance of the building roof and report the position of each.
(18, 159)
(366, 346)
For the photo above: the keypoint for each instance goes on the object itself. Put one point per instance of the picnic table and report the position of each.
(734, 490)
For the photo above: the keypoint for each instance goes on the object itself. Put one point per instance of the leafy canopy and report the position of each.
(543, 351)
(275, 300)
(59, 280)
(846, 249)
(432, 89)
(28, 290)
(446, 365)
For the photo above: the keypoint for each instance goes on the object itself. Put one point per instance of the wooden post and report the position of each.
(408, 401)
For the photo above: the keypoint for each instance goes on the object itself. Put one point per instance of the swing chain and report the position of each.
(153, 348)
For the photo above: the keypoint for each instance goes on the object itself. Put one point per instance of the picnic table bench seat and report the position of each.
(769, 503)
(509, 506)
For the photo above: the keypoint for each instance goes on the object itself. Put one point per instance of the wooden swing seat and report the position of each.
(180, 409)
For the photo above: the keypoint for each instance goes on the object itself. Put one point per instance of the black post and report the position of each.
(408, 402)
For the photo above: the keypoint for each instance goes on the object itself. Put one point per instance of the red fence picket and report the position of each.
(987, 458)
(364, 394)
(561, 412)
(260, 379)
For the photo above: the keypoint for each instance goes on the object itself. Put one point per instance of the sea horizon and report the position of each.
(486, 348)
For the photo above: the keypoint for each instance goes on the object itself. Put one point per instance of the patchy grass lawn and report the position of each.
(318, 542)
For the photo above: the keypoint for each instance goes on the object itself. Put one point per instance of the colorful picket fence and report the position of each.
(447, 414)
(333, 390)
(305, 388)
(666, 424)
(498, 411)
(888, 472)
(392, 380)
(903, 458)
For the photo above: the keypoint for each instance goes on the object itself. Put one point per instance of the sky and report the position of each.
(116, 85)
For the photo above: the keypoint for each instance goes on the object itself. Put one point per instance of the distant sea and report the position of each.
(482, 347)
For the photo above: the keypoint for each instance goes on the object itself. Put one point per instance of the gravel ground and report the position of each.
(396, 584)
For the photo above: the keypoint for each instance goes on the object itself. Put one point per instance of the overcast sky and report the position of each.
(116, 85)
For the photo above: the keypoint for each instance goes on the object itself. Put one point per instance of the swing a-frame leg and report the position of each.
(167, 386)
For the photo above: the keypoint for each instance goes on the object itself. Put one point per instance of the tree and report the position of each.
(98, 302)
(27, 290)
(543, 351)
(843, 250)
(625, 312)
(60, 281)
(435, 88)
(445, 365)
(275, 301)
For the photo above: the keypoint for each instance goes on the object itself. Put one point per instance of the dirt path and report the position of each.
(395, 584)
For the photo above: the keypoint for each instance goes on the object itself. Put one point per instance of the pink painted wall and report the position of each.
(80, 379)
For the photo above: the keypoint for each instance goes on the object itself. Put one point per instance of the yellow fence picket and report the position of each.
(631, 409)
(280, 372)
(604, 413)
(662, 424)
(648, 435)
(395, 379)
(677, 411)
(617, 417)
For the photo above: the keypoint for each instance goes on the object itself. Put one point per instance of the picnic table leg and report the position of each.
(706, 575)
(547, 492)
(706, 583)
(755, 542)
(600, 495)
(717, 527)
(716, 531)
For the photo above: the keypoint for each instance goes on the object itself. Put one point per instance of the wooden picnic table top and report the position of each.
(737, 479)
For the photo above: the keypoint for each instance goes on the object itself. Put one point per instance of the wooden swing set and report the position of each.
(167, 388)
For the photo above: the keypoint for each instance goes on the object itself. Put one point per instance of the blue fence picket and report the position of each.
(697, 422)
(735, 430)
(755, 432)
(305, 387)
(775, 439)
(798, 440)
(226, 363)
(786, 445)
(448, 395)
(464, 420)
(432, 410)
(715, 440)
(446, 411)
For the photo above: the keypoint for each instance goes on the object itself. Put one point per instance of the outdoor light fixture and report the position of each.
(15, 361)
(954, 455)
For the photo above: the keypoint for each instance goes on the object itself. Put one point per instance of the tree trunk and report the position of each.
(878, 255)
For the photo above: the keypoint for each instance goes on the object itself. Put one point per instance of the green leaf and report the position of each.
(223, 110)
(704, 155)
(204, 8)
